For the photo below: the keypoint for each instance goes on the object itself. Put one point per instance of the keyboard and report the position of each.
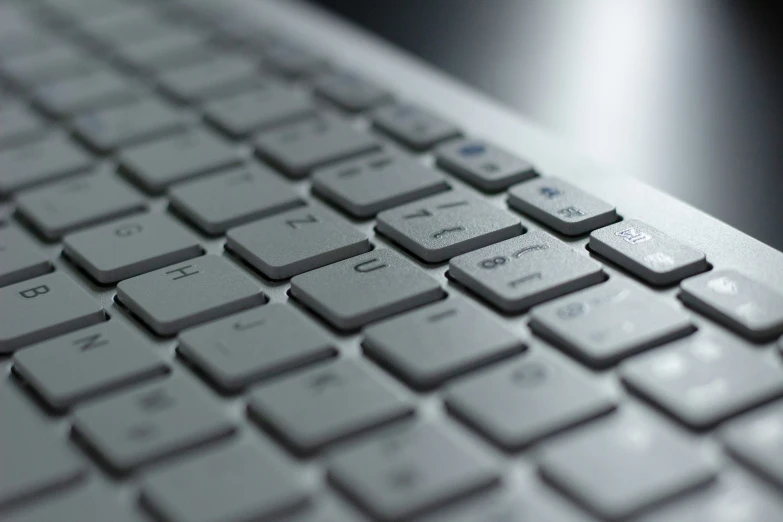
(257, 265)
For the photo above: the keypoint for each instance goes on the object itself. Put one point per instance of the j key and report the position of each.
(647, 252)
(20, 257)
(562, 206)
(179, 296)
(299, 147)
(488, 167)
(367, 185)
(255, 344)
(65, 206)
(447, 225)
(411, 345)
(609, 322)
(413, 126)
(328, 403)
(104, 88)
(221, 76)
(86, 363)
(20, 125)
(151, 422)
(293, 60)
(524, 271)
(410, 470)
(354, 292)
(741, 303)
(350, 91)
(59, 63)
(757, 440)
(640, 461)
(44, 307)
(132, 246)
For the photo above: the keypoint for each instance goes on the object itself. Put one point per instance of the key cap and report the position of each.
(293, 60)
(447, 225)
(640, 462)
(413, 126)
(561, 206)
(20, 258)
(411, 345)
(38, 162)
(354, 292)
(219, 77)
(75, 203)
(151, 422)
(609, 322)
(20, 125)
(179, 48)
(483, 165)
(60, 63)
(411, 470)
(524, 271)
(367, 185)
(253, 345)
(158, 165)
(647, 252)
(295, 242)
(27, 42)
(127, 27)
(299, 147)
(757, 439)
(44, 307)
(737, 301)
(350, 91)
(518, 403)
(327, 512)
(99, 89)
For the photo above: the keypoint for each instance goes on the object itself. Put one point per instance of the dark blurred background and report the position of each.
(686, 95)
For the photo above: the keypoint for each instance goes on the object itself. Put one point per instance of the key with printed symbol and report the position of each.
(737, 301)
(488, 167)
(647, 252)
(293, 60)
(220, 76)
(757, 440)
(102, 88)
(20, 257)
(521, 272)
(562, 206)
(413, 126)
(349, 91)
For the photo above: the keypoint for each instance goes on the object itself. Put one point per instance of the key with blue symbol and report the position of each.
(487, 167)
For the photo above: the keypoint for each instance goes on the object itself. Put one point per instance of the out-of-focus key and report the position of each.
(19, 125)
(20, 258)
(221, 76)
(293, 60)
(413, 126)
(350, 91)
(488, 167)
(174, 50)
(59, 63)
(757, 440)
(99, 89)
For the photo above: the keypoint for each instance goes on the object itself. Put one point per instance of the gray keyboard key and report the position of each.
(221, 76)
(151, 422)
(640, 461)
(158, 165)
(350, 92)
(102, 88)
(317, 407)
(233, 198)
(180, 296)
(413, 126)
(299, 147)
(447, 225)
(367, 185)
(179, 48)
(127, 26)
(366, 288)
(739, 302)
(59, 63)
(68, 205)
(20, 257)
(518, 403)
(411, 345)
(44, 307)
(524, 271)
(757, 440)
(647, 252)
(293, 60)
(411, 470)
(487, 167)
(609, 322)
(20, 125)
(255, 344)
(561, 206)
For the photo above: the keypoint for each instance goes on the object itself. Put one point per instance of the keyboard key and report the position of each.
(299, 147)
(158, 165)
(103, 88)
(739, 302)
(44, 307)
(255, 344)
(647, 252)
(151, 422)
(86, 363)
(317, 407)
(180, 296)
(609, 322)
(413, 126)
(127, 27)
(329, 511)
(68, 205)
(350, 91)
(411, 345)
(483, 165)
(293, 60)
(521, 272)
(179, 48)
(354, 292)
(447, 225)
(757, 440)
(20, 258)
(221, 76)
(640, 461)
(20, 125)
(367, 185)
(59, 63)
(295, 242)
(133, 246)
(411, 470)
(518, 403)
(561, 206)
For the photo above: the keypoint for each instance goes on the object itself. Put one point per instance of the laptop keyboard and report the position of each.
(239, 282)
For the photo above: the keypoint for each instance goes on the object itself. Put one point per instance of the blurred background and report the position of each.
(686, 95)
